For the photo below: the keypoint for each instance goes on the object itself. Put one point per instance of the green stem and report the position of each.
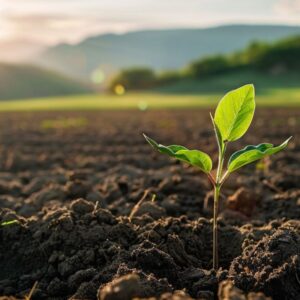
(217, 188)
(220, 165)
(215, 227)
(225, 176)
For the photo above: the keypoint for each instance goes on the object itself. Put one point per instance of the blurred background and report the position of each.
(72, 54)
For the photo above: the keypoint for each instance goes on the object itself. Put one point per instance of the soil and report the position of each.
(72, 190)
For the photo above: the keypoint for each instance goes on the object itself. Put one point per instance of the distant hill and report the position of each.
(24, 81)
(157, 49)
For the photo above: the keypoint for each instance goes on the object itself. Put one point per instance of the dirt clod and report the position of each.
(124, 288)
(82, 206)
(243, 201)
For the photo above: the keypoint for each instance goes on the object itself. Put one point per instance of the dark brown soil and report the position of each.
(72, 190)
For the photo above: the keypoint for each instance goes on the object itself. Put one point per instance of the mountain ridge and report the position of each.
(182, 29)
(154, 48)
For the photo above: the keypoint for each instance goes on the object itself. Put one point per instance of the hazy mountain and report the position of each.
(159, 49)
(23, 81)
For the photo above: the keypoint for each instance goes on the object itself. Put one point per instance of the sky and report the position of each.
(48, 22)
(52, 21)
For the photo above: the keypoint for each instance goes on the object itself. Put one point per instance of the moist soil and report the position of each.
(73, 189)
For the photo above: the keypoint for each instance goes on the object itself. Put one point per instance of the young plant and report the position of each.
(232, 119)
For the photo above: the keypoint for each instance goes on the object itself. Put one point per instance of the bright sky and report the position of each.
(53, 21)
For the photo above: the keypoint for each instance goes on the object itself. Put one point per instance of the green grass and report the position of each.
(142, 101)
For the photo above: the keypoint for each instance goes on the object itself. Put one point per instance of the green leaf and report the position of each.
(252, 153)
(193, 157)
(234, 113)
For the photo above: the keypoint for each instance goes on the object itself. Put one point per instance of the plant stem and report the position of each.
(215, 227)
(217, 188)
(220, 166)
(225, 176)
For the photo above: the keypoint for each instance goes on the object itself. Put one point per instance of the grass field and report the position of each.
(142, 101)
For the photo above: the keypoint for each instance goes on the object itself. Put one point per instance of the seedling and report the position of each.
(232, 119)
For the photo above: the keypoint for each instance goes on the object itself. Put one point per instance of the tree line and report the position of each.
(276, 58)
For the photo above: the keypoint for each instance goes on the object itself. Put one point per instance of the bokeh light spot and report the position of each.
(98, 76)
(142, 105)
(119, 90)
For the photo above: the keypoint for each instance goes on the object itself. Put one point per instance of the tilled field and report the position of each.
(72, 187)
